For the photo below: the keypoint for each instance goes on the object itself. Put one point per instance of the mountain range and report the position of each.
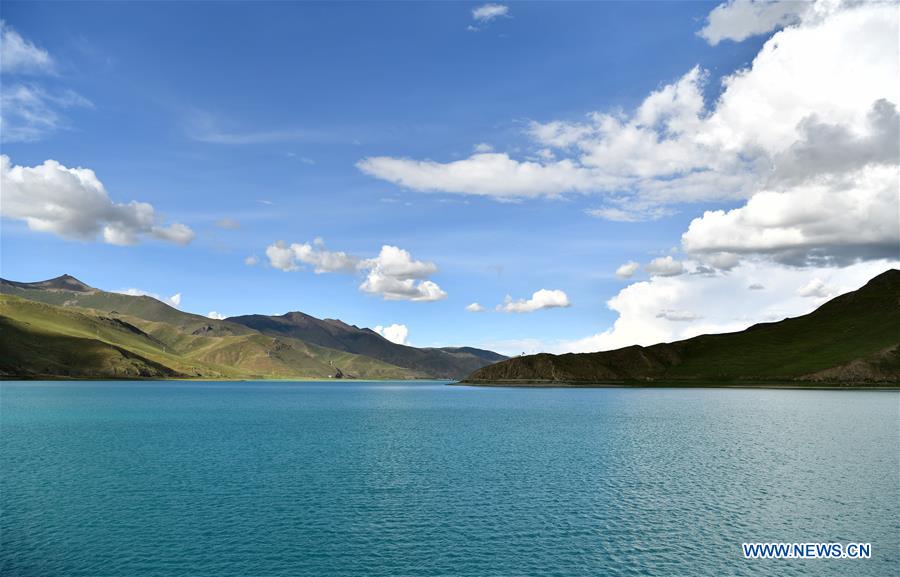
(64, 328)
(852, 339)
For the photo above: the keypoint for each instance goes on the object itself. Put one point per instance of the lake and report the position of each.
(421, 479)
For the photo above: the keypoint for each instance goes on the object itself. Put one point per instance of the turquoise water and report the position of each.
(419, 479)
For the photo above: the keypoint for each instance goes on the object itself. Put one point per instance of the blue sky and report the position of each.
(248, 123)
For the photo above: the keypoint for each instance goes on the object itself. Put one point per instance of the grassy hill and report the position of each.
(66, 329)
(295, 345)
(854, 338)
(451, 363)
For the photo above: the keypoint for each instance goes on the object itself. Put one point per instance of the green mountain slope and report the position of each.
(38, 340)
(68, 291)
(452, 363)
(854, 338)
(255, 346)
(87, 336)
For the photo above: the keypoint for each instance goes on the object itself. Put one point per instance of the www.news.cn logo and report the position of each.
(807, 550)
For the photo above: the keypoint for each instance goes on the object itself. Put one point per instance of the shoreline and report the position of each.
(503, 384)
(679, 385)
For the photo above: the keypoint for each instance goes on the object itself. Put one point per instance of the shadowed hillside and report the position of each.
(854, 338)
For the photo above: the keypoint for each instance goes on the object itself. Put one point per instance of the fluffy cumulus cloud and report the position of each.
(805, 137)
(821, 221)
(314, 254)
(664, 266)
(627, 270)
(740, 19)
(816, 288)
(393, 274)
(73, 203)
(541, 299)
(173, 301)
(474, 308)
(395, 333)
(215, 315)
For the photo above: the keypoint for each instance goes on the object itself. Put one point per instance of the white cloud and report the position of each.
(488, 174)
(483, 147)
(488, 12)
(828, 220)
(73, 203)
(719, 260)
(284, 257)
(740, 19)
(808, 132)
(395, 333)
(474, 308)
(832, 149)
(627, 270)
(816, 288)
(659, 310)
(393, 274)
(541, 299)
(28, 110)
(18, 55)
(173, 301)
(215, 315)
(664, 266)
(631, 213)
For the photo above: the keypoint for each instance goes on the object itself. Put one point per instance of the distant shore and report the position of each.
(679, 385)
(493, 384)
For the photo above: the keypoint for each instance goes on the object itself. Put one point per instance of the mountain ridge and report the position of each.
(44, 324)
(448, 362)
(851, 339)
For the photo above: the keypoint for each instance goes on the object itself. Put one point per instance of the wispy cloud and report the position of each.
(29, 110)
(18, 55)
(487, 13)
